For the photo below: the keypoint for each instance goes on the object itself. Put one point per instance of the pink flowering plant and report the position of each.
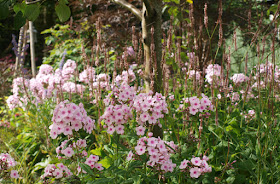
(55, 173)
(7, 168)
(187, 117)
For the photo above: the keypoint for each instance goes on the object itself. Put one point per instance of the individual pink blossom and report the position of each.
(184, 164)
(140, 130)
(129, 156)
(196, 161)
(140, 150)
(14, 174)
(154, 157)
(58, 173)
(82, 143)
(98, 166)
(94, 158)
(195, 172)
(120, 129)
(152, 142)
(111, 130)
(68, 152)
(84, 153)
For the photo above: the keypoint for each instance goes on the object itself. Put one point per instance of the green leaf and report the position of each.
(19, 7)
(86, 168)
(4, 11)
(106, 162)
(63, 12)
(19, 20)
(32, 11)
(96, 151)
(230, 179)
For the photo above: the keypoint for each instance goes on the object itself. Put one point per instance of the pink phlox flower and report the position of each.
(144, 116)
(184, 164)
(152, 151)
(195, 172)
(111, 130)
(196, 161)
(129, 156)
(82, 143)
(140, 150)
(120, 129)
(58, 173)
(94, 158)
(140, 130)
(68, 152)
(98, 166)
(152, 142)
(154, 157)
(14, 174)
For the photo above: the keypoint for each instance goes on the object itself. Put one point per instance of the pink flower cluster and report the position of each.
(6, 163)
(71, 87)
(20, 86)
(123, 99)
(234, 96)
(71, 149)
(196, 105)
(126, 77)
(68, 117)
(92, 162)
(250, 115)
(77, 149)
(196, 166)
(44, 85)
(119, 109)
(123, 94)
(239, 78)
(56, 171)
(150, 108)
(48, 83)
(68, 70)
(193, 73)
(88, 75)
(213, 74)
(158, 151)
(115, 116)
(101, 81)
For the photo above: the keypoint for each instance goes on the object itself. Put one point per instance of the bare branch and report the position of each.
(130, 7)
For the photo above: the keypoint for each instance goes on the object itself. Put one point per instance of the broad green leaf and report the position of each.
(19, 20)
(63, 12)
(106, 162)
(96, 151)
(19, 7)
(32, 11)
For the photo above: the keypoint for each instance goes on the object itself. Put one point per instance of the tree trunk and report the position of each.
(151, 17)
